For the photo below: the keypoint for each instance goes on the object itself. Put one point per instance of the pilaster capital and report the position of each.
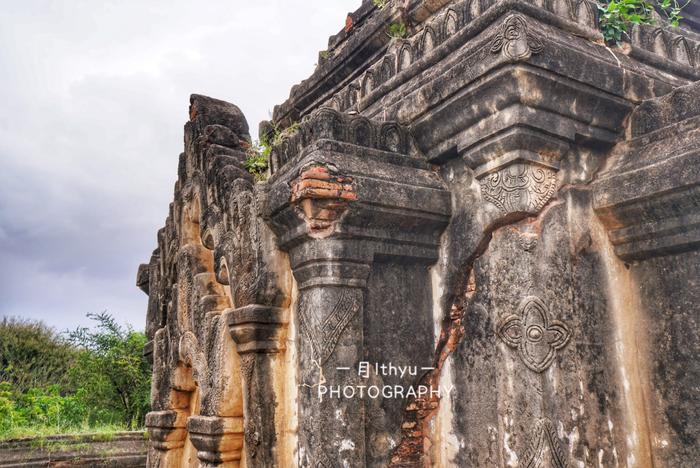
(167, 429)
(257, 328)
(217, 439)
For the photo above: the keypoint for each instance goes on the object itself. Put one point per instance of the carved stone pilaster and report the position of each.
(166, 432)
(345, 191)
(259, 333)
(649, 199)
(330, 346)
(218, 440)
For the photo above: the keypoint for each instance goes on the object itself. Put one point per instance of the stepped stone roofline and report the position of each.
(352, 52)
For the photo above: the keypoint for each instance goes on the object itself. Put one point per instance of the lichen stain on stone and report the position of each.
(626, 313)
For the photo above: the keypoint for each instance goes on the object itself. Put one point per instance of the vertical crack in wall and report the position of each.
(415, 443)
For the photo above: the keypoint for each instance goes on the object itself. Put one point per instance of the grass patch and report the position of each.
(103, 433)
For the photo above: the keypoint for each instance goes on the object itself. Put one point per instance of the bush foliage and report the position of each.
(258, 155)
(618, 16)
(82, 380)
(33, 355)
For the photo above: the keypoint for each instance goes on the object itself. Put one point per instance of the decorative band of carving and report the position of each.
(324, 329)
(330, 281)
(544, 436)
(329, 124)
(518, 182)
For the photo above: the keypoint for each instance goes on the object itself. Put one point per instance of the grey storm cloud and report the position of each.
(95, 95)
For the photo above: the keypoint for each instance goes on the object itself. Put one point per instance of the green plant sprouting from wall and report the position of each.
(258, 158)
(380, 3)
(617, 17)
(397, 30)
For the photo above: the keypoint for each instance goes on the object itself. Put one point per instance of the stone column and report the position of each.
(330, 346)
(345, 192)
(259, 333)
(170, 401)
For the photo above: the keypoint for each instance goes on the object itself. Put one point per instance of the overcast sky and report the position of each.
(94, 97)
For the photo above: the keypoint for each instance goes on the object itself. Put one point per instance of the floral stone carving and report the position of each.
(536, 337)
(519, 187)
(514, 40)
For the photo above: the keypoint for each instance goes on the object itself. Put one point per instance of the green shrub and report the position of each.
(33, 355)
(112, 370)
(9, 416)
(397, 30)
(105, 381)
(258, 157)
(617, 17)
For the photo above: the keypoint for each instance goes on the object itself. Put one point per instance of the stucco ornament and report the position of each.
(536, 337)
(515, 41)
(520, 187)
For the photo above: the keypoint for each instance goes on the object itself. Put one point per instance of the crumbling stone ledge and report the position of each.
(121, 449)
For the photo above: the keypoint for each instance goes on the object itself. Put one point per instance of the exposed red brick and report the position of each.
(413, 446)
(349, 23)
(322, 197)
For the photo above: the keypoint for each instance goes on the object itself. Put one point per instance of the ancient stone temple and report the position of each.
(478, 245)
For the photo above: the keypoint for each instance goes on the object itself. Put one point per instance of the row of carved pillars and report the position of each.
(245, 415)
(331, 277)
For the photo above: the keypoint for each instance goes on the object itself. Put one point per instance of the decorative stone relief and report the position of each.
(545, 447)
(536, 337)
(244, 259)
(324, 330)
(251, 434)
(519, 187)
(527, 241)
(189, 352)
(514, 40)
(324, 461)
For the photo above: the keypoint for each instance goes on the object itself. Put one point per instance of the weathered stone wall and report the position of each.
(498, 201)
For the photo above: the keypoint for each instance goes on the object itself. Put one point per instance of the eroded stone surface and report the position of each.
(498, 201)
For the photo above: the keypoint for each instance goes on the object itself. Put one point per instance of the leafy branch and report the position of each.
(258, 155)
(617, 17)
(397, 30)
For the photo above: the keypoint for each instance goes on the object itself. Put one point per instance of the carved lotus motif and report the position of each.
(519, 187)
(533, 334)
(514, 40)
